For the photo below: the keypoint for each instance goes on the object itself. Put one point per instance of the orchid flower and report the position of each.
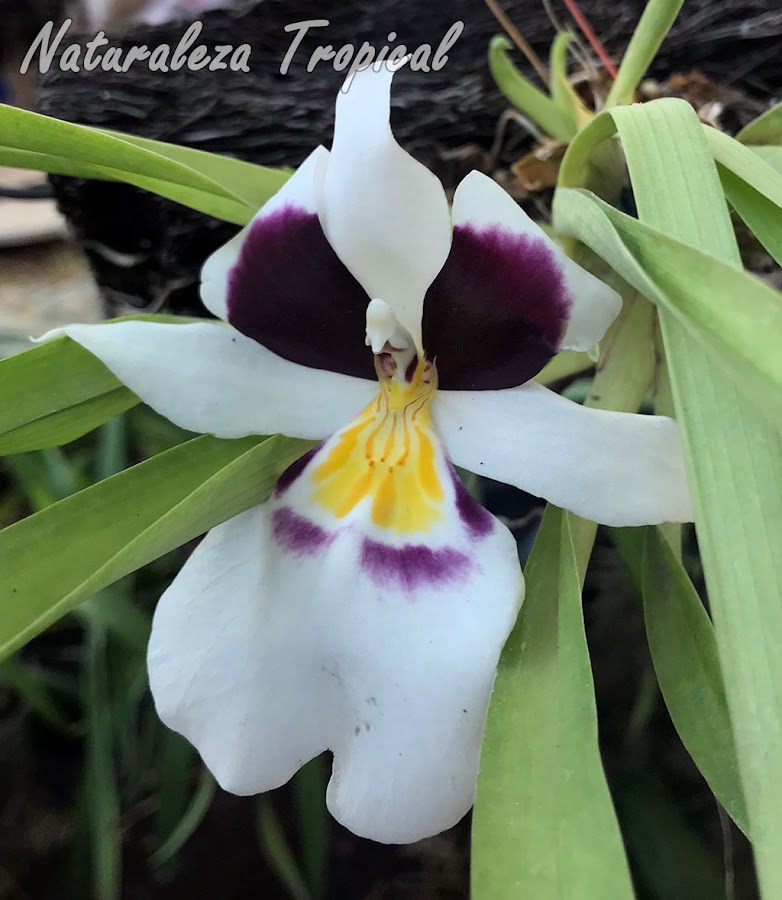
(362, 608)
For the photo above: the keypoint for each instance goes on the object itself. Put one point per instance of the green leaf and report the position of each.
(560, 87)
(275, 849)
(102, 800)
(543, 824)
(762, 216)
(564, 365)
(766, 129)
(314, 822)
(249, 183)
(28, 683)
(669, 859)
(97, 536)
(524, 95)
(54, 393)
(684, 653)
(30, 140)
(698, 288)
(187, 825)
(57, 391)
(211, 203)
(654, 25)
(734, 462)
(753, 186)
(770, 155)
(745, 163)
(175, 757)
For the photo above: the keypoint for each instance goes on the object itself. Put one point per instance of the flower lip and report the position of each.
(412, 566)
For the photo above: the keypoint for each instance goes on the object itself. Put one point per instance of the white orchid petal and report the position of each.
(295, 628)
(480, 203)
(210, 378)
(611, 467)
(384, 213)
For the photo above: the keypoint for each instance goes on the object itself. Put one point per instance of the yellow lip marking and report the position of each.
(388, 454)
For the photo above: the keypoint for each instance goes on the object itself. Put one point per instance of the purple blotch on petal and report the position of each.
(496, 313)
(298, 535)
(413, 565)
(294, 470)
(478, 521)
(289, 291)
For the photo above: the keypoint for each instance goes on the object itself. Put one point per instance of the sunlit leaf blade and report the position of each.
(699, 289)
(97, 536)
(766, 129)
(55, 393)
(654, 25)
(250, 183)
(684, 653)
(734, 463)
(561, 92)
(36, 133)
(746, 164)
(223, 187)
(543, 824)
(213, 204)
(531, 101)
(771, 155)
(762, 216)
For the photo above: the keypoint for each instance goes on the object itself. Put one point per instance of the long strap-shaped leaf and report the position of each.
(734, 461)
(697, 288)
(766, 129)
(56, 558)
(57, 391)
(223, 187)
(543, 824)
(686, 662)
(753, 186)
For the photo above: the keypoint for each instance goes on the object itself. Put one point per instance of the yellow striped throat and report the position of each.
(388, 453)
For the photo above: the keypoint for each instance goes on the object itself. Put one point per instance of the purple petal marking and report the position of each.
(496, 313)
(289, 291)
(298, 535)
(478, 521)
(413, 565)
(294, 470)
